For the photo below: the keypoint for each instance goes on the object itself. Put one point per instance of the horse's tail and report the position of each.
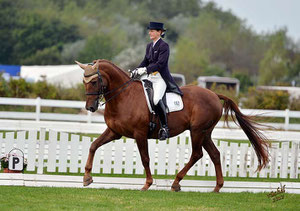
(250, 127)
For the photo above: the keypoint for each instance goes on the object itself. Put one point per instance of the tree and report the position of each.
(104, 45)
(189, 60)
(245, 81)
(46, 56)
(273, 67)
(36, 34)
(204, 43)
(9, 15)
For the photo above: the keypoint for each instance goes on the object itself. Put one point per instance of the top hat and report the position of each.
(156, 25)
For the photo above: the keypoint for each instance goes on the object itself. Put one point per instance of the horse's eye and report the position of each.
(94, 83)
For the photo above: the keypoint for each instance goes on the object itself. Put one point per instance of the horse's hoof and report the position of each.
(87, 180)
(217, 189)
(145, 188)
(176, 188)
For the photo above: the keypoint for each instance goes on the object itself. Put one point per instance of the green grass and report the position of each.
(42, 198)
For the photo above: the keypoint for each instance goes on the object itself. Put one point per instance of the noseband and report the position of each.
(102, 90)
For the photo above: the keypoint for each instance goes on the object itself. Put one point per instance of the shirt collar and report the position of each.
(155, 42)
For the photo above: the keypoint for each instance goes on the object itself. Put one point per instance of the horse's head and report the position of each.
(94, 83)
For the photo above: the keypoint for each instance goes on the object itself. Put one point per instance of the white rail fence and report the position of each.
(38, 115)
(65, 152)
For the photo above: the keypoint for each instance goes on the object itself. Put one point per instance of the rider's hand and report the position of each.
(138, 72)
(141, 70)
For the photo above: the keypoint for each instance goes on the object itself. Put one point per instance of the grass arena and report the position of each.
(43, 198)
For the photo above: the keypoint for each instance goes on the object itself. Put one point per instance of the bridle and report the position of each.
(102, 91)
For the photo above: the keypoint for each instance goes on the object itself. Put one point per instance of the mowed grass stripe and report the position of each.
(33, 198)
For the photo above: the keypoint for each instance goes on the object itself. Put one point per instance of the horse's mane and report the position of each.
(115, 66)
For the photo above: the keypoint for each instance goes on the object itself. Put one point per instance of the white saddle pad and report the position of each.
(174, 101)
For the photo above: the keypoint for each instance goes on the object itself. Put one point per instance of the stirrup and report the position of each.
(163, 133)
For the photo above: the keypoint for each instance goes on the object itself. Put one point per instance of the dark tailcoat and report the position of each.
(156, 59)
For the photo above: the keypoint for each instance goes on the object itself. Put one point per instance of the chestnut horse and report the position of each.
(127, 114)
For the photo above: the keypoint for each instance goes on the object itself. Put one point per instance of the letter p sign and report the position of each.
(16, 160)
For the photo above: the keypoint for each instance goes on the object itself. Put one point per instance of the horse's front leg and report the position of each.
(106, 137)
(143, 149)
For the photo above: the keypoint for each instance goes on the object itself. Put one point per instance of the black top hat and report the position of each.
(156, 25)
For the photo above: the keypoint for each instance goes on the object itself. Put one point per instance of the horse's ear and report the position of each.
(95, 65)
(81, 65)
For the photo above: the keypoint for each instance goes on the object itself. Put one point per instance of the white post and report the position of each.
(38, 108)
(287, 119)
(89, 117)
(41, 152)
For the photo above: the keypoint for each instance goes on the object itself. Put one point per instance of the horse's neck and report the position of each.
(116, 76)
(117, 84)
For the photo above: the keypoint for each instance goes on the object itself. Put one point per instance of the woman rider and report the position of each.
(155, 64)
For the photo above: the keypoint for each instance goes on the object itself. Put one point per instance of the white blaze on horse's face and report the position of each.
(91, 84)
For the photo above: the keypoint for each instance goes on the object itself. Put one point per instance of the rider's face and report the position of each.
(154, 34)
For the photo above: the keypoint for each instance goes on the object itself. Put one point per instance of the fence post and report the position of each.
(41, 151)
(89, 117)
(287, 119)
(38, 108)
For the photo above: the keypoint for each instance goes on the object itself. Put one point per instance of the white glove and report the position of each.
(141, 70)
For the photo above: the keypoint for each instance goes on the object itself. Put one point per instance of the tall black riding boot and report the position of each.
(160, 109)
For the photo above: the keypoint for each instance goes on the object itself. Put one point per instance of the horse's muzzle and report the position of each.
(93, 107)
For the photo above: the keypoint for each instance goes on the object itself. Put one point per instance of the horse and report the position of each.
(127, 114)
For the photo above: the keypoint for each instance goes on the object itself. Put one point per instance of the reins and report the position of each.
(127, 83)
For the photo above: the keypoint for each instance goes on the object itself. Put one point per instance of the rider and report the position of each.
(155, 64)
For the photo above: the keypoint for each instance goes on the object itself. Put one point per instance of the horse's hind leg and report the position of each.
(106, 137)
(197, 141)
(214, 155)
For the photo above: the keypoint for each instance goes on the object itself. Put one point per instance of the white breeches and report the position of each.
(159, 86)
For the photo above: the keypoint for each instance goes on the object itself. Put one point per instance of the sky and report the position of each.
(266, 15)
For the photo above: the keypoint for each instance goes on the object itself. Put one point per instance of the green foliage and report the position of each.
(221, 40)
(74, 93)
(222, 89)
(204, 39)
(103, 45)
(273, 67)
(98, 46)
(44, 90)
(173, 8)
(4, 89)
(294, 70)
(20, 88)
(213, 70)
(262, 99)
(189, 60)
(47, 56)
(295, 104)
(245, 81)
(10, 16)
(38, 34)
